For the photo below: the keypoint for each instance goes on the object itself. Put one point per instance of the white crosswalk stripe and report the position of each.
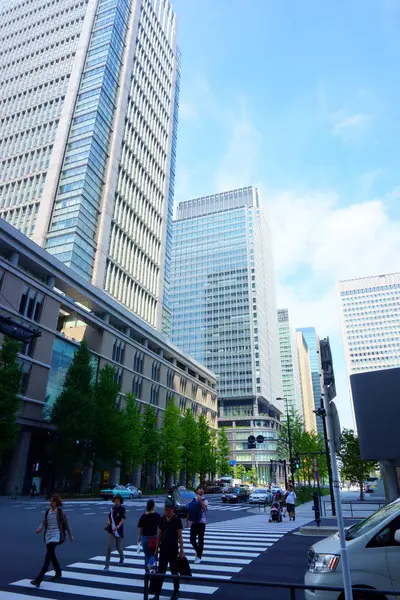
(229, 547)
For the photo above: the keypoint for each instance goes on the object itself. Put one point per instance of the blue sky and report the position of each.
(301, 99)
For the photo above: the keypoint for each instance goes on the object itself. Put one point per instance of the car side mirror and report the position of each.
(397, 536)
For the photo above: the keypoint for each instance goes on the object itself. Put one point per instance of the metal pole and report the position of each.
(348, 592)
(328, 462)
(286, 481)
(290, 441)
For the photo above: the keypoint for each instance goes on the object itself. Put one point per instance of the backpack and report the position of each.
(195, 511)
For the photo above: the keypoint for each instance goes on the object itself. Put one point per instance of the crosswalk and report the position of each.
(230, 546)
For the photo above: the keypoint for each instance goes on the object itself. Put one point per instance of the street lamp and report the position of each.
(289, 437)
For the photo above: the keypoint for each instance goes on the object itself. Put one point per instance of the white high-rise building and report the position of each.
(370, 321)
(289, 363)
(225, 316)
(89, 93)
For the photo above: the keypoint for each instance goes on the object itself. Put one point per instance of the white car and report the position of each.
(260, 496)
(373, 547)
(136, 493)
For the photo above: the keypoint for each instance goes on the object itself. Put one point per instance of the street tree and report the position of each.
(354, 468)
(106, 436)
(150, 443)
(73, 412)
(240, 471)
(191, 450)
(206, 449)
(223, 453)
(10, 384)
(170, 442)
(131, 438)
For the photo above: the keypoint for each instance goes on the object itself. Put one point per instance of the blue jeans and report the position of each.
(147, 552)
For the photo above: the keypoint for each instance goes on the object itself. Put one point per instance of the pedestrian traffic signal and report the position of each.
(251, 441)
(297, 463)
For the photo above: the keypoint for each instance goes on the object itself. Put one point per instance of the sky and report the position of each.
(301, 99)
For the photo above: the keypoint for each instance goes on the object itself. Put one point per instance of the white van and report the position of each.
(374, 555)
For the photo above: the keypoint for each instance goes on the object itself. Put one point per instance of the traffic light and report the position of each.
(251, 440)
(295, 464)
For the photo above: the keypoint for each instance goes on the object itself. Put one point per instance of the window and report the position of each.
(182, 404)
(170, 379)
(169, 396)
(118, 352)
(31, 304)
(194, 390)
(183, 384)
(154, 394)
(118, 377)
(138, 362)
(137, 386)
(204, 393)
(26, 372)
(29, 348)
(155, 371)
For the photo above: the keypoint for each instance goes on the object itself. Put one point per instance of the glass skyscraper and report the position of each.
(289, 364)
(224, 312)
(89, 94)
(312, 340)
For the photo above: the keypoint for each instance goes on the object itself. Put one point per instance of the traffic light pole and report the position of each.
(328, 462)
(290, 443)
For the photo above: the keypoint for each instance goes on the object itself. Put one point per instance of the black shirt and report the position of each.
(170, 530)
(149, 523)
(118, 514)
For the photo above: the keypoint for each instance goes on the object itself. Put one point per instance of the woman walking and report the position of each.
(115, 528)
(291, 502)
(55, 526)
(148, 526)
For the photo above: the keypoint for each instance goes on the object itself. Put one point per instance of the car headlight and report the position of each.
(322, 563)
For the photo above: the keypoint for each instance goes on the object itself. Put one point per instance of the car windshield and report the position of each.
(373, 520)
(232, 490)
(261, 492)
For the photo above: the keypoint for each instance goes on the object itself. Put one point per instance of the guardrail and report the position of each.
(292, 588)
(327, 505)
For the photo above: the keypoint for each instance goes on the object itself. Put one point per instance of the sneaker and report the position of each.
(197, 560)
(106, 569)
(175, 596)
(121, 561)
(35, 583)
(56, 578)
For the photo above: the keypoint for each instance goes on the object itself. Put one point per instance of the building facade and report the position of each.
(289, 363)
(224, 312)
(89, 95)
(39, 291)
(312, 340)
(370, 322)
(307, 392)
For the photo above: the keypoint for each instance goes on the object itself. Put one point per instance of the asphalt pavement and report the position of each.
(240, 544)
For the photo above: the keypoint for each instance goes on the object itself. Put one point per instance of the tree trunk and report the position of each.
(361, 484)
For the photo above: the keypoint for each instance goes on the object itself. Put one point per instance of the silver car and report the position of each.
(260, 496)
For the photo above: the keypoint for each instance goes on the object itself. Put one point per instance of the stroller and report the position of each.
(275, 514)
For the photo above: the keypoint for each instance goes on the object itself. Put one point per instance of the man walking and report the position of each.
(197, 517)
(169, 536)
(115, 529)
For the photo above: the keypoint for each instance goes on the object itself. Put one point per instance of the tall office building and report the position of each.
(89, 93)
(289, 363)
(370, 322)
(312, 340)
(307, 393)
(224, 313)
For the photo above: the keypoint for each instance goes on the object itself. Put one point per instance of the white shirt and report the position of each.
(291, 498)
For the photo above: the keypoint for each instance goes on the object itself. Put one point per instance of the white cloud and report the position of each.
(349, 127)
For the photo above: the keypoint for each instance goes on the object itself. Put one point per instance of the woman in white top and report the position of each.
(291, 502)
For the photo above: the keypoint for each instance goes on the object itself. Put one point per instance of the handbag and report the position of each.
(184, 566)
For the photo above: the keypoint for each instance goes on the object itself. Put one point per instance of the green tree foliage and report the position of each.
(131, 438)
(223, 453)
(170, 442)
(150, 442)
(10, 384)
(191, 451)
(74, 412)
(354, 468)
(206, 449)
(107, 428)
(240, 472)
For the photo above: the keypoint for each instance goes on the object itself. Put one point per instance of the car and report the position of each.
(181, 497)
(213, 489)
(136, 493)
(373, 547)
(235, 494)
(111, 492)
(275, 489)
(260, 496)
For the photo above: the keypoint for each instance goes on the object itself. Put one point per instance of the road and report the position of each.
(240, 544)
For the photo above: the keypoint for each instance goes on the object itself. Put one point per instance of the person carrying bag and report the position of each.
(115, 529)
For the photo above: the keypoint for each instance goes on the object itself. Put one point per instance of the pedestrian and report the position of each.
(148, 526)
(115, 529)
(168, 539)
(15, 492)
(33, 490)
(197, 517)
(291, 502)
(55, 525)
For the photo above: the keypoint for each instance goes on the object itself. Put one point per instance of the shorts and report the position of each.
(290, 508)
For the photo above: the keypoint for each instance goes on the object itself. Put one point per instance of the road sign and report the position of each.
(260, 439)
(232, 463)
